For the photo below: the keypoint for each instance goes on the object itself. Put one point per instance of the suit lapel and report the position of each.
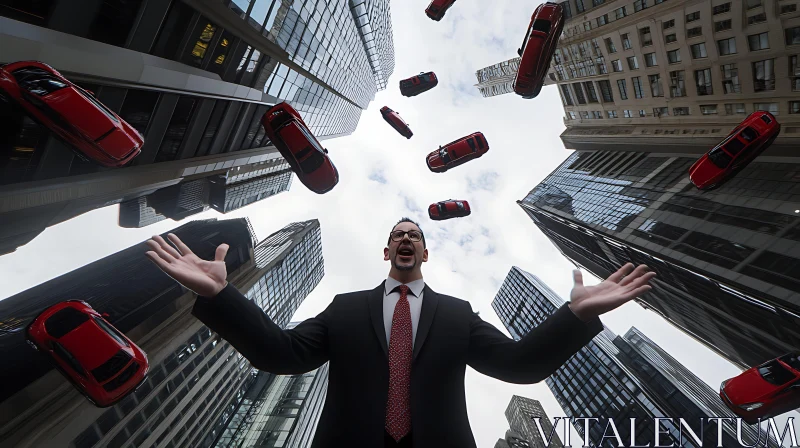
(375, 301)
(429, 302)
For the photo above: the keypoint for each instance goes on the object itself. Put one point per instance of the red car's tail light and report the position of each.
(112, 366)
(122, 378)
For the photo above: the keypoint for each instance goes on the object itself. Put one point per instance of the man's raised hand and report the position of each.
(588, 302)
(206, 278)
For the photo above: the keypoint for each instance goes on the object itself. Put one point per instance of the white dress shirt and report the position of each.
(390, 299)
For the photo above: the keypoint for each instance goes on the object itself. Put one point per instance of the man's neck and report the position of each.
(405, 277)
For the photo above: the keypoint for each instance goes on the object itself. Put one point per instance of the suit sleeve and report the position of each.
(534, 357)
(253, 334)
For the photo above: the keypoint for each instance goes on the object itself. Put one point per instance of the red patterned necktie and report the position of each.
(398, 406)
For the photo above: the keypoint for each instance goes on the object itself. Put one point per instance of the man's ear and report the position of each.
(385, 254)
(425, 255)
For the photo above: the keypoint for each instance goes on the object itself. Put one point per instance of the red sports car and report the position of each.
(740, 147)
(74, 115)
(537, 49)
(455, 153)
(100, 361)
(300, 148)
(448, 209)
(764, 391)
(393, 118)
(437, 8)
(415, 85)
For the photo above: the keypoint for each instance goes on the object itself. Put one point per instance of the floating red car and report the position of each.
(100, 361)
(458, 152)
(308, 159)
(437, 8)
(537, 49)
(450, 208)
(764, 391)
(415, 85)
(74, 115)
(746, 142)
(393, 118)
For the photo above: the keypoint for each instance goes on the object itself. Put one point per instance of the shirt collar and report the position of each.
(414, 287)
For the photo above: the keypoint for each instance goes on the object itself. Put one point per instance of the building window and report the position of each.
(639, 5)
(620, 13)
(176, 129)
(708, 109)
(758, 18)
(597, 115)
(587, 26)
(794, 107)
(730, 78)
(670, 38)
(602, 20)
(616, 65)
(627, 113)
(676, 111)
(623, 89)
(660, 112)
(694, 32)
(567, 10)
(669, 24)
(655, 85)
(723, 25)
(573, 116)
(793, 36)
(769, 107)
(598, 2)
(650, 60)
(735, 109)
(677, 84)
(758, 41)
(642, 113)
(691, 17)
(612, 114)
(605, 91)
(633, 64)
(786, 9)
(626, 42)
(794, 72)
(610, 45)
(566, 94)
(727, 46)
(579, 93)
(719, 9)
(703, 81)
(173, 30)
(674, 56)
(645, 37)
(699, 51)
(590, 92)
(579, 5)
(764, 75)
(584, 115)
(752, 3)
(637, 87)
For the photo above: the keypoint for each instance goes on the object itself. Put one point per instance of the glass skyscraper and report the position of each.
(726, 260)
(602, 379)
(497, 79)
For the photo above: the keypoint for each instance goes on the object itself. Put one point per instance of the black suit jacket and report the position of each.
(350, 334)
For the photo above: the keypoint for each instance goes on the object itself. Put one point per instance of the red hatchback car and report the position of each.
(74, 115)
(393, 118)
(415, 85)
(300, 148)
(450, 208)
(100, 361)
(740, 147)
(537, 49)
(437, 8)
(764, 391)
(458, 152)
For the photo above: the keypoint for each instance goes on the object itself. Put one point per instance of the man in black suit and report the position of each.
(397, 353)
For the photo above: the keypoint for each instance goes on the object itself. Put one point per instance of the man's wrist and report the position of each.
(578, 312)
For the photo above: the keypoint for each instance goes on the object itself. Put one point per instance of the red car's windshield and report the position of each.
(719, 158)
(793, 360)
(38, 81)
(64, 321)
(775, 373)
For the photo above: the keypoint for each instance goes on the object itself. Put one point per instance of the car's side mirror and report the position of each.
(519, 51)
(325, 149)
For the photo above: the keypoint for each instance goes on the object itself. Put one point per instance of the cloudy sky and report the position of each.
(384, 177)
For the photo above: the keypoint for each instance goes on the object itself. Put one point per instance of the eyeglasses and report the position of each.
(413, 235)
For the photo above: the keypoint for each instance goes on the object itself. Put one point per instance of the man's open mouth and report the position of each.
(405, 253)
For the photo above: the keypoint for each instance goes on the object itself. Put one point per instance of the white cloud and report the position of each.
(384, 177)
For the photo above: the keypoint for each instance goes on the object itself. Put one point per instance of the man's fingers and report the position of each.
(638, 272)
(577, 276)
(179, 244)
(641, 280)
(163, 265)
(166, 246)
(630, 295)
(222, 250)
(621, 272)
(160, 252)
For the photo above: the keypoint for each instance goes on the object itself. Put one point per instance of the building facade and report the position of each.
(497, 79)
(196, 380)
(601, 379)
(726, 260)
(194, 77)
(676, 72)
(521, 412)
(512, 440)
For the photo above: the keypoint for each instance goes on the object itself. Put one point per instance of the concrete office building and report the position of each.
(512, 440)
(675, 73)
(726, 259)
(521, 412)
(603, 379)
(194, 77)
(196, 381)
